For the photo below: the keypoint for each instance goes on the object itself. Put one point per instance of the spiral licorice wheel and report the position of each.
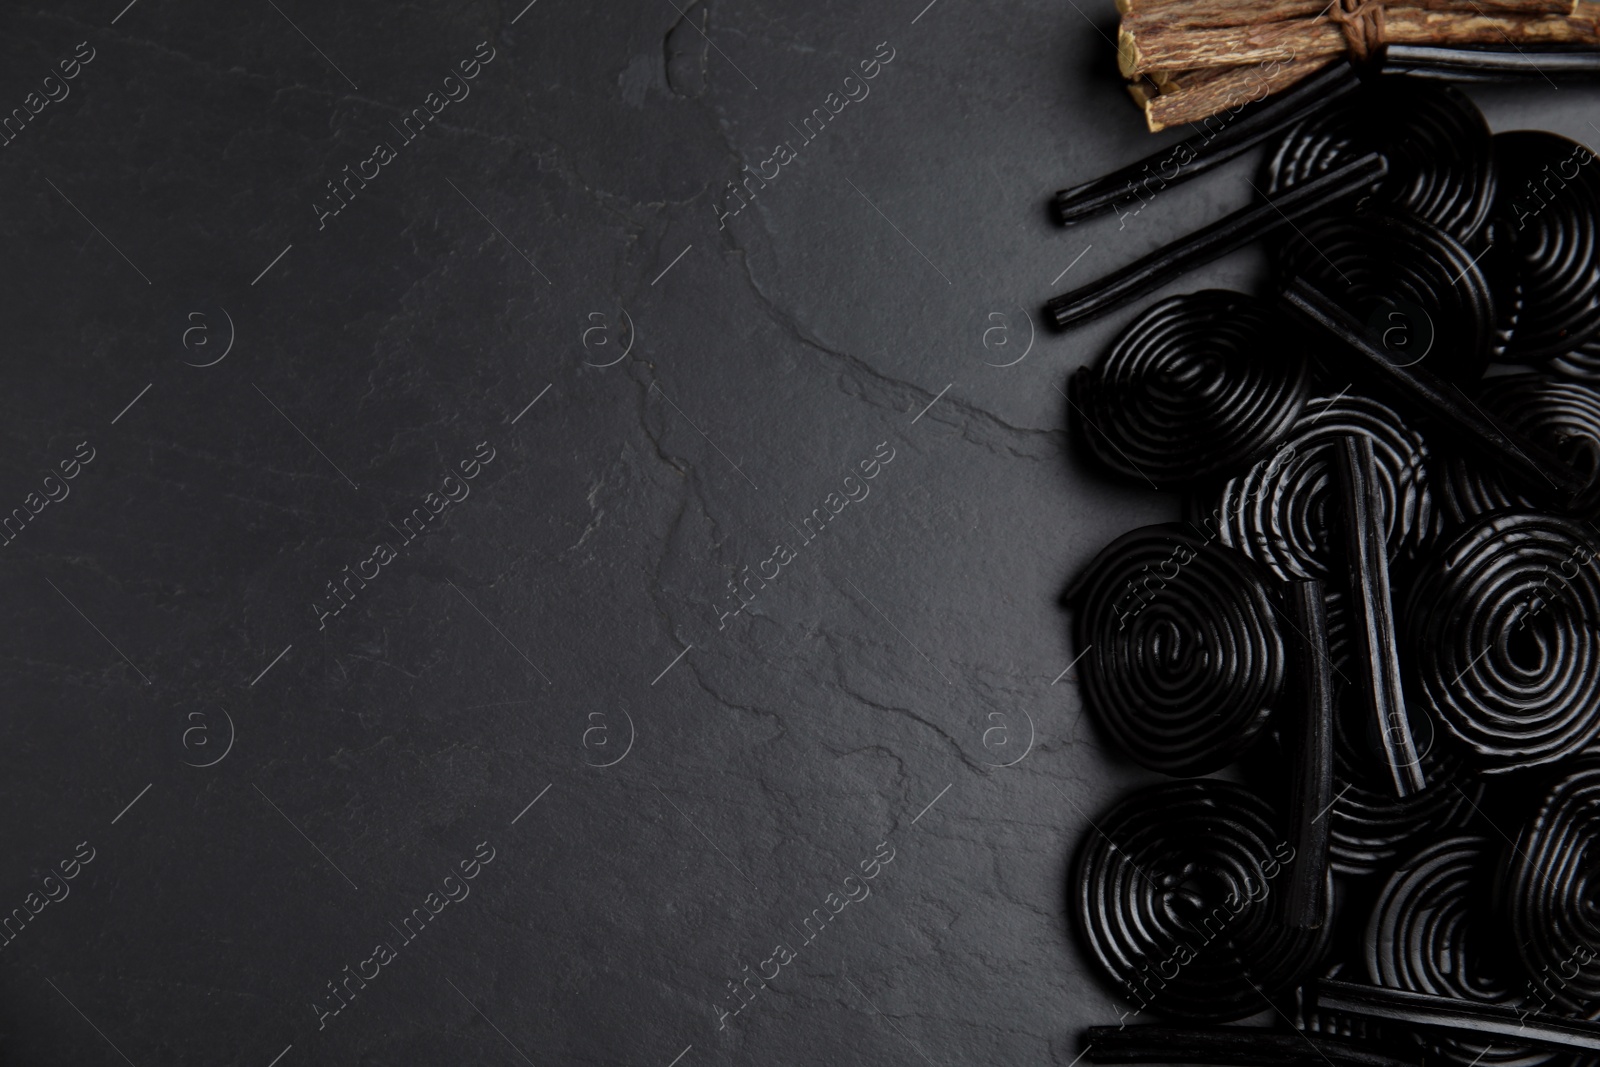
(1562, 416)
(1198, 385)
(1279, 512)
(1502, 638)
(1433, 930)
(1183, 657)
(1581, 364)
(1544, 261)
(1368, 825)
(1549, 894)
(1435, 140)
(1419, 291)
(1177, 901)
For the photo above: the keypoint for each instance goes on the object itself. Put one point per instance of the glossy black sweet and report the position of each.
(1489, 1023)
(1544, 257)
(1549, 892)
(1501, 639)
(1434, 930)
(1182, 654)
(1311, 789)
(1282, 511)
(1452, 417)
(1177, 894)
(1369, 827)
(1377, 670)
(1244, 1045)
(1435, 140)
(1219, 140)
(1413, 286)
(1349, 180)
(1562, 416)
(1197, 385)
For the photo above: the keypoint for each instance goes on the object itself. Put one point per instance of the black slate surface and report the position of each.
(253, 792)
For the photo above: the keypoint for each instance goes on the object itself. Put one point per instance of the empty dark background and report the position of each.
(161, 616)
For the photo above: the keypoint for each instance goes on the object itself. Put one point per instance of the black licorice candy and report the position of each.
(1549, 894)
(1369, 827)
(1376, 661)
(1463, 1017)
(1197, 385)
(1282, 510)
(1209, 148)
(1434, 140)
(1246, 1046)
(1543, 260)
(1433, 930)
(1183, 656)
(1178, 898)
(1347, 181)
(1420, 291)
(1488, 64)
(1494, 251)
(1502, 639)
(1447, 408)
(1312, 795)
(1561, 416)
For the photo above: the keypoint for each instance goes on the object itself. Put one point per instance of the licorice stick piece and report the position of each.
(1353, 179)
(1373, 611)
(1446, 1013)
(1235, 1045)
(1313, 795)
(1210, 149)
(1531, 465)
(1484, 64)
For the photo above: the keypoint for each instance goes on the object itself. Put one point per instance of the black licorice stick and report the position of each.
(1536, 471)
(1483, 64)
(1475, 1018)
(1313, 795)
(1211, 148)
(1352, 179)
(1237, 1045)
(1367, 556)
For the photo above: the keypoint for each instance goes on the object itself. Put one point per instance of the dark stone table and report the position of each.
(484, 587)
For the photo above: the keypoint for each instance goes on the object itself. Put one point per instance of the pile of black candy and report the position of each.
(1369, 660)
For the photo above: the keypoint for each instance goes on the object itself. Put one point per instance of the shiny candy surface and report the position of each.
(1197, 385)
(1183, 657)
(1178, 896)
(1501, 637)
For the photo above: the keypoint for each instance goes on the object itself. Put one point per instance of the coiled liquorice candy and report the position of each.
(1549, 894)
(1417, 289)
(1177, 900)
(1501, 638)
(1280, 512)
(1435, 140)
(1544, 255)
(1434, 930)
(1182, 655)
(1197, 385)
(1368, 825)
(1562, 416)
